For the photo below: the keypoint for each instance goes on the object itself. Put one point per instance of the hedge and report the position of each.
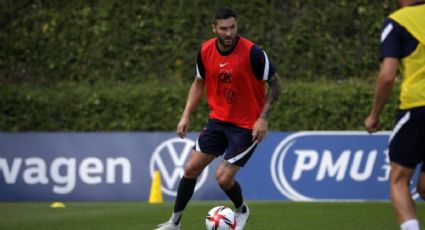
(127, 65)
(157, 106)
(48, 41)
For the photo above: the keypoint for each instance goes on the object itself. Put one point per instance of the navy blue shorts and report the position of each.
(220, 138)
(407, 142)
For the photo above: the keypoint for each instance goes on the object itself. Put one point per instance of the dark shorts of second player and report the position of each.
(407, 142)
(220, 138)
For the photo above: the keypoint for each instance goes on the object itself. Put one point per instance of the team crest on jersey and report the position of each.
(225, 77)
(230, 95)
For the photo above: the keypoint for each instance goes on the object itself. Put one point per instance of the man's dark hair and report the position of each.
(224, 13)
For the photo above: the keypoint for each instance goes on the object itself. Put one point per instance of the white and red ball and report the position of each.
(220, 218)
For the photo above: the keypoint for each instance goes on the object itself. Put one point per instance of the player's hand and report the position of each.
(371, 124)
(259, 130)
(182, 127)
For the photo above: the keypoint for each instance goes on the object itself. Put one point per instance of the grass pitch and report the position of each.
(143, 216)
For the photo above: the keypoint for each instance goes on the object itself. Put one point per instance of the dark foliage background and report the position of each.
(127, 65)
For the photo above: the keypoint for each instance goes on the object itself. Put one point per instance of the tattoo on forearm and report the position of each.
(272, 95)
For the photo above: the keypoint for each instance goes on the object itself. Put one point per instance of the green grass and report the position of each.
(143, 216)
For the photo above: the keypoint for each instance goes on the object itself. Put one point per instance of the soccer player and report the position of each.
(403, 44)
(233, 70)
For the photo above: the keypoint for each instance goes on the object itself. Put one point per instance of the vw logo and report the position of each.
(170, 158)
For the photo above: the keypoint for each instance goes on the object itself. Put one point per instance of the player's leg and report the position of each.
(197, 162)
(420, 186)
(225, 175)
(406, 150)
(240, 149)
(210, 143)
(401, 198)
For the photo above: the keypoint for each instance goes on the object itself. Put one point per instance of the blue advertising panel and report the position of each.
(309, 166)
(95, 166)
(300, 166)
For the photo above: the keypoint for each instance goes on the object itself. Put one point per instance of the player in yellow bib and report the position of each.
(403, 47)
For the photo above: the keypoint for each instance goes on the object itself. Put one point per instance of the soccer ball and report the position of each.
(220, 218)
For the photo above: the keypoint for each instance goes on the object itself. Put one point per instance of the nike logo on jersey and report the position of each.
(223, 64)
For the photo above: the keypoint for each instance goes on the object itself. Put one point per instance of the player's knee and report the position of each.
(224, 182)
(192, 171)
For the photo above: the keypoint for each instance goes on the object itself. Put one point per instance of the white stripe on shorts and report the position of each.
(400, 124)
(197, 148)
(238, 157)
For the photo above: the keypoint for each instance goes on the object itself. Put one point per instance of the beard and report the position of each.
(224, 42)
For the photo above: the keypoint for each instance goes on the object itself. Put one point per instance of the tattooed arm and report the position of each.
(261, 125)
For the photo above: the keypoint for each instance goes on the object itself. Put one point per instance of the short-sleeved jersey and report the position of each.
(235, 81)
(403, 37)
(396, 41)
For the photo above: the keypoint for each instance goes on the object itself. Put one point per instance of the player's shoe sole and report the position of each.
(168, 226)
